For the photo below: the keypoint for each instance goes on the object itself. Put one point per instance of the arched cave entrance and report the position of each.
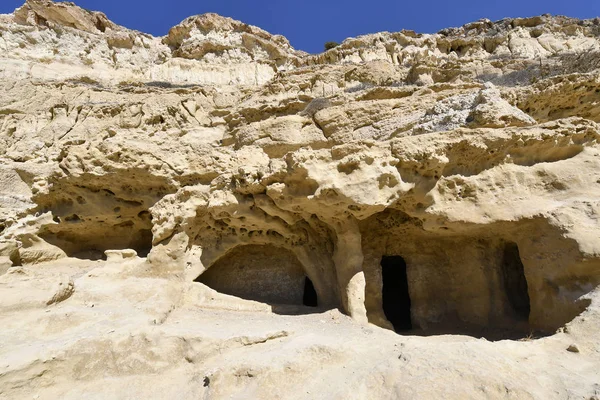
(263, 273)
(515, 283)
(396, 298)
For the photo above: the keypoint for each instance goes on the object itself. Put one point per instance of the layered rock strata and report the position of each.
(231, 172)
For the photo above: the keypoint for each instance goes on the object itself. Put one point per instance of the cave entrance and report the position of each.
(310, 294)
(396, 299)
(515, 283)
(263, 273)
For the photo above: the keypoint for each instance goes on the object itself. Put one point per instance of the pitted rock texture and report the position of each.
(247, 220)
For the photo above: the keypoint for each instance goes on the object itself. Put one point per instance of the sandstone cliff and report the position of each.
(173, 209)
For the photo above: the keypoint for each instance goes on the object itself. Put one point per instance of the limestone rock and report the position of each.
(215, 39)
(119, 255)
(222, 210)
(492, 111)
(51, 14)
(64, 290)
(5, 264)
(573, 348)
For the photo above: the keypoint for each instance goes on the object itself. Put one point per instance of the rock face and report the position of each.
(178, 206)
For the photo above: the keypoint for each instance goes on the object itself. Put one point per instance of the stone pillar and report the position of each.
(348, 259)
(374, 284)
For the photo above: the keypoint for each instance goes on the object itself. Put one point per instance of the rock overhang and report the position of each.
(469, 157)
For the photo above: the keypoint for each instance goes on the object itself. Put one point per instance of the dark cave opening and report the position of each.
(515, 283)
(396, 298)
(310, 294)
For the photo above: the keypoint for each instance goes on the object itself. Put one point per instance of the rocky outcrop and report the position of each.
(46, 13)
(165, 200)
(44, 40)
(214, 39)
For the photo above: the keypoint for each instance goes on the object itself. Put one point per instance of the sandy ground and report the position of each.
(119, 337)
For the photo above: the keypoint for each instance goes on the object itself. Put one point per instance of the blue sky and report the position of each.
(308, 24)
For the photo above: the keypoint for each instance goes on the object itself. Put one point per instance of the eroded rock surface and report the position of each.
(243, 219)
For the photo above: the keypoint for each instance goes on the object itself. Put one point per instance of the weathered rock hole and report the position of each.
(531, 157)
(39, 20)
(348, 167)
(145, 215)
(388, 180)
(73, 218)
(100, 25)
(126, 224)
(302, 188)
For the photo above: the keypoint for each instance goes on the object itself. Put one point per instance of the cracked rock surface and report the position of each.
(214, 214)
